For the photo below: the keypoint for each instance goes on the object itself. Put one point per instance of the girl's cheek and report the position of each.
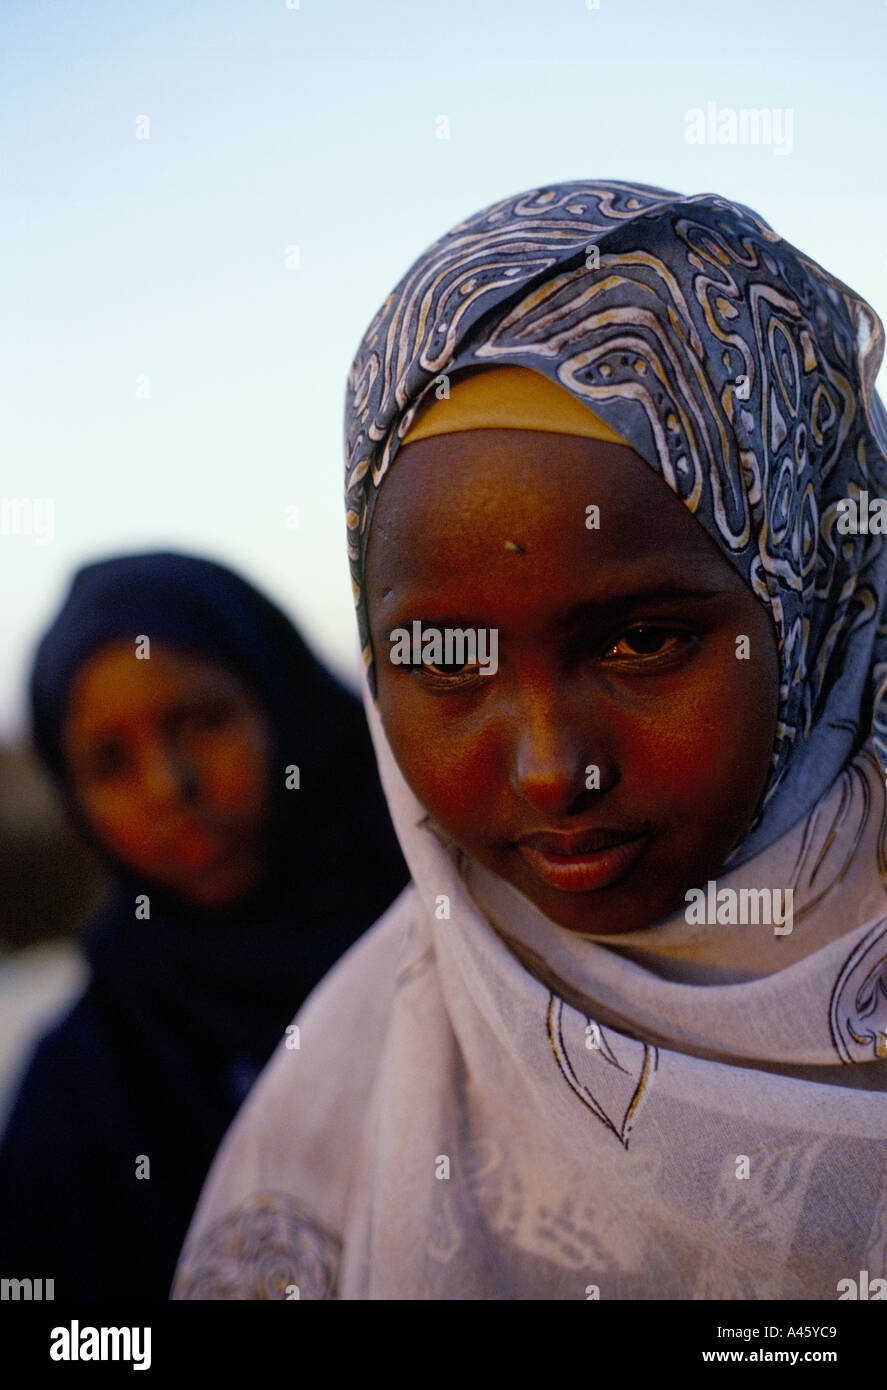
(105, 809)
(693, 753)
(118, 826)
(233, 769)
(229, 776)
(715, 756)
(445, 770)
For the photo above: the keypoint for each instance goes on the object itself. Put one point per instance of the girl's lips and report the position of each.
(584, 873)
(195, 848)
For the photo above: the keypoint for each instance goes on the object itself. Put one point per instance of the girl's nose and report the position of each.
(555, 763)
(167, 775)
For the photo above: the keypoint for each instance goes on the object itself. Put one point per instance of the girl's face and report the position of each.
(620, 749)
(170, 762)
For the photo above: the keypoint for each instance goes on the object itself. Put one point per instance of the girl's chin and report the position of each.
(613, 911)
(220, 889)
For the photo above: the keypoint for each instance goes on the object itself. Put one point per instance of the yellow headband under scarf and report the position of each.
(510, 398)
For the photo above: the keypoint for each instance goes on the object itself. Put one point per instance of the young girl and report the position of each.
(613, 457)
(169, 698)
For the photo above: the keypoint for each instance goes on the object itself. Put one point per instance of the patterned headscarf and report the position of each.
(738, 368)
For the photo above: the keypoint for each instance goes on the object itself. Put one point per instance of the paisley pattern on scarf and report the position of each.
(858, 1013)
(619, 1082)
(267, 1249)
(738, 368)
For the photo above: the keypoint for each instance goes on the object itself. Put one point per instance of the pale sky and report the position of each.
(166, 380)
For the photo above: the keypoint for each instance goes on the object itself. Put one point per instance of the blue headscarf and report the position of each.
(739, 369)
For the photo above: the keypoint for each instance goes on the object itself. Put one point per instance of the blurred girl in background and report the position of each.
(228, 782)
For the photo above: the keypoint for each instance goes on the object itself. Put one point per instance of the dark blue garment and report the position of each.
(184, 1009)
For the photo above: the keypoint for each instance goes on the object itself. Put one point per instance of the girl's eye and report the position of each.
(645, 639)
(205, 718)
(105, 761)
(443, 676)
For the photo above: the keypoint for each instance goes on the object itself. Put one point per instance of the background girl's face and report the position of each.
(618, 650)
(170, 762)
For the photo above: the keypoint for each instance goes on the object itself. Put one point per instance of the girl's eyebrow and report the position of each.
(590, 611)
(615, 605)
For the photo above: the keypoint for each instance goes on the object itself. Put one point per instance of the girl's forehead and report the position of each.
(527, 526)
(113, 682)
(484, 487)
